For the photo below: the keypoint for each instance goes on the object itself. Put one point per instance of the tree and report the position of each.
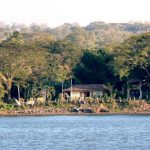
(133, 53)
(83, 38)
(2, 90)
(40, 39)
(93, 68)
(63, 56)
(132, 59)
(18, 61)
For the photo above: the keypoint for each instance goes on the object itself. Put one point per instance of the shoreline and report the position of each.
(133, 108)
(77, 114)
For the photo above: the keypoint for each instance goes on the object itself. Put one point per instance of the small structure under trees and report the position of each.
(134, 89)
(85, 90)
(137, 89)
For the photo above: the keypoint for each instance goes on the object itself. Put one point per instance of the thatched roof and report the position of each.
(88, 87)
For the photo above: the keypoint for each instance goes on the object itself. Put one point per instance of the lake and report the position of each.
(106, 132)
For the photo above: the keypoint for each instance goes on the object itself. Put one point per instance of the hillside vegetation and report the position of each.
(94, 35)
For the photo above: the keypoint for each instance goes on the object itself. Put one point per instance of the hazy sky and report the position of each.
(57, 12)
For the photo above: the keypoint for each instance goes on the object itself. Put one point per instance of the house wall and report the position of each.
(97, 94)
(75, 95)
(43, 93)
(82, 95)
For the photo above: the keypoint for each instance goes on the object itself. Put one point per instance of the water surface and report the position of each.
(112, 132)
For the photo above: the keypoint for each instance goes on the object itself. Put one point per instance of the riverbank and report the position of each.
(72, 114)
(139, 107)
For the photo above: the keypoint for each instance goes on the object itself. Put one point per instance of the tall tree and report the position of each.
(18, 61)
(94, 68)
(134, 52)
(132, 58)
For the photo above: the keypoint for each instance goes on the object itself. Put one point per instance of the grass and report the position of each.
(109, 104)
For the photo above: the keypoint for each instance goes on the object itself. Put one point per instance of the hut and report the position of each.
(85, 90)
(134, 89)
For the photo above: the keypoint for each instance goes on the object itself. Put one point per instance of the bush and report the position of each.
(2, 105)
(2, 91)
(133, 103)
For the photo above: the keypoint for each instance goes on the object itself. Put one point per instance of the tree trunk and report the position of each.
(141, 95)
(148, 90)
(18, 92)
(9, 86)
(46, 96)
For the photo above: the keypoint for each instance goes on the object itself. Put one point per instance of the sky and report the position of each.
(58, 12)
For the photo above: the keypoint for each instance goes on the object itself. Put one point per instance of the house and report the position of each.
(85, 90)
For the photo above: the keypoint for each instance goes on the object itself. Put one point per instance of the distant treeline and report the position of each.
(94, 35)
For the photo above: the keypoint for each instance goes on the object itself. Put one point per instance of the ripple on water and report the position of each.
(75, 132)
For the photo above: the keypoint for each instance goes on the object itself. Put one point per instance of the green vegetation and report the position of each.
(39, 58)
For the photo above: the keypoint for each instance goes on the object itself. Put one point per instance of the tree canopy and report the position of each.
(133, 53)
(39, 58)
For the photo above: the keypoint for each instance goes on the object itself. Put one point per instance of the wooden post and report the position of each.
(90, 94)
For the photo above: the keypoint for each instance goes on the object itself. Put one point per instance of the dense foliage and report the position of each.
(39, 57)
(94, 35)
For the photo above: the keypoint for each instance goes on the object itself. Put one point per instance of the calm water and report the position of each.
(75, 133)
